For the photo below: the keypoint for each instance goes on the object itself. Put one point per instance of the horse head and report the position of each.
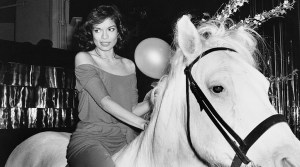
(222, 64)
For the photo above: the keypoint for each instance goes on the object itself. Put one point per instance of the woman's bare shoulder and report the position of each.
(129, 64)
(83, 58)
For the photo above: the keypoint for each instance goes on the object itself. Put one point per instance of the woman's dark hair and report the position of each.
(83, 36)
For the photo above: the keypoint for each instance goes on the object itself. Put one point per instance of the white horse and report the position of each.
(183, 133)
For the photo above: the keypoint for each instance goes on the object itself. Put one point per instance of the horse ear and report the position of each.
(188, 37)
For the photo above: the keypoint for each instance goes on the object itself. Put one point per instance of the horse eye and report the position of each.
(217, 89)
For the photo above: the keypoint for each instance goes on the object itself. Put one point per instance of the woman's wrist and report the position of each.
(145, 125)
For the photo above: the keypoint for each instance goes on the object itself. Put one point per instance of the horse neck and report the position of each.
(166, 137)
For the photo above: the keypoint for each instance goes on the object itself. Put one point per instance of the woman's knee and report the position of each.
(92, 157)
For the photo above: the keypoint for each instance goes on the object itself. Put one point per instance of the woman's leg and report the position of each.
(93, 156)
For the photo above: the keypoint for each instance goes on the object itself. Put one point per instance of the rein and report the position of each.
(243, 145)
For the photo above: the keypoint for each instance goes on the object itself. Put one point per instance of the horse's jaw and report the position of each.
(289, 157)
(282, 149)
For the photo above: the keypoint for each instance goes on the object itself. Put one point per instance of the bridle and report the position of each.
(243, 145)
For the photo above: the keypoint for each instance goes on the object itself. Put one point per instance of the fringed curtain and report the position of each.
(34, 96)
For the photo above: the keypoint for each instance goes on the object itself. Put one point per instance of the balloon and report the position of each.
(152, 57)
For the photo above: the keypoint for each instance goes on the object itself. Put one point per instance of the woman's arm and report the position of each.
(141, 108)
(147, 105)
(122, 114)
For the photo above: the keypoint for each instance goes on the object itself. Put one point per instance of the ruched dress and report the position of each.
(96, 127)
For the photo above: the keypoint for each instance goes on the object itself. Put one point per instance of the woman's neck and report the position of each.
(107, 55)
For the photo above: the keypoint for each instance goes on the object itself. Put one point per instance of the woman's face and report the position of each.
(105, 34)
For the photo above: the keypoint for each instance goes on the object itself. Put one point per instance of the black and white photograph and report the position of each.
(149, 83)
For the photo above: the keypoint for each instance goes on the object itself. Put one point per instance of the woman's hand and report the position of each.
(152, 95)
(146, 125)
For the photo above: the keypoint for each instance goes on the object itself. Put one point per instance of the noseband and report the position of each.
(243, 145)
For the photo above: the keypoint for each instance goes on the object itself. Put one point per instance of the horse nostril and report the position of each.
(286, 163)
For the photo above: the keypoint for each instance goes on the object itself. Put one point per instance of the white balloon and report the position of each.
(152, 57)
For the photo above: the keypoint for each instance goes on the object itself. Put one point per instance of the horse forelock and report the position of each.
(244, 40)
(235, 42)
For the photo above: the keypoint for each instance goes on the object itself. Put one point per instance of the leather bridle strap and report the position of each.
(217, 120)
(222, 126)
(210, 111)
(258, 131)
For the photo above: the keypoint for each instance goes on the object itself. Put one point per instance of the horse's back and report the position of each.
(48, 146)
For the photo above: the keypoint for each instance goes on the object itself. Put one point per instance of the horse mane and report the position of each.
(243, 39)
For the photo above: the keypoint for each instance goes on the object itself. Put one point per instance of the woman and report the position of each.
(107, 92)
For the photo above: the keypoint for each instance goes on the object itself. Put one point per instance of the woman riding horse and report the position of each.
(212, 109)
